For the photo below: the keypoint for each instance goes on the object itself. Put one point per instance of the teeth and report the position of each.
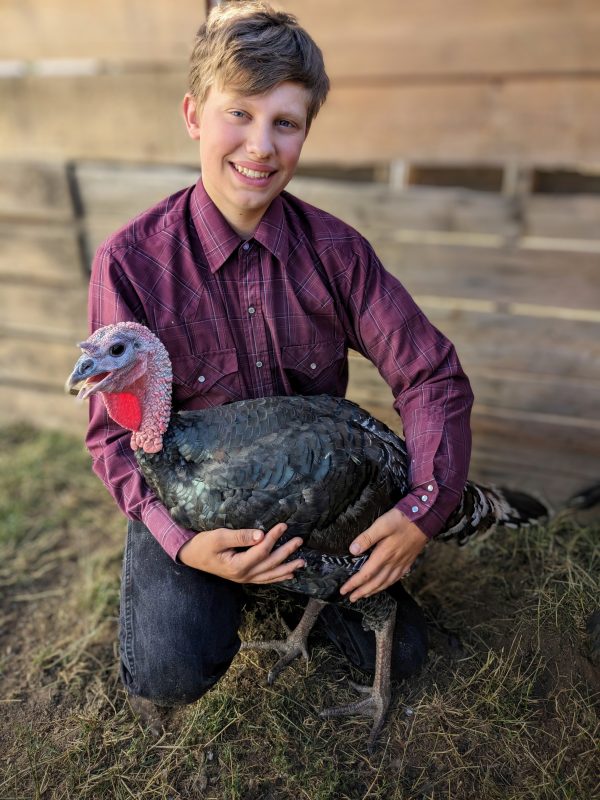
(251, 173)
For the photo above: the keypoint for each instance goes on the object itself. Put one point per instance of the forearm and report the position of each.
(436, 420)
(432, 395)
(114, 462)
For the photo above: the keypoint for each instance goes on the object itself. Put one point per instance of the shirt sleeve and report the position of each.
(432, 393)
(113, 299)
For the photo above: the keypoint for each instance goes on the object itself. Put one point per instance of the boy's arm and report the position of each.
(113, 299)
(432, 396)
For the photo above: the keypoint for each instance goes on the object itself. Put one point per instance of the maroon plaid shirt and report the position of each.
(275, 316)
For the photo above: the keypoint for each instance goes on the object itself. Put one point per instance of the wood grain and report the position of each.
(545, 121)
(500, 275)
(44, 253)
(53, 312)
(35, 190)
(431, 38)
(114, 29)
(400, 40)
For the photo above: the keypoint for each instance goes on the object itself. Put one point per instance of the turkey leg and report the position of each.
(377, 702)
(296, 643)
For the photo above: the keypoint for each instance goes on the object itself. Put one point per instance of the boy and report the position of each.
(256, 293)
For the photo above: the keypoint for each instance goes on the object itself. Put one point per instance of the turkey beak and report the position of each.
(85, 378)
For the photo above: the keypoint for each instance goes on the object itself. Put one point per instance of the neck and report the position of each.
(144, 407)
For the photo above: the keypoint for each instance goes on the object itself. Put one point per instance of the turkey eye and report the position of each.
(117, 350)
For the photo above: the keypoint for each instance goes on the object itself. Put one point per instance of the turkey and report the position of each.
(321, 464)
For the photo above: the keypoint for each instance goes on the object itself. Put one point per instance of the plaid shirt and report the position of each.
(275, 316)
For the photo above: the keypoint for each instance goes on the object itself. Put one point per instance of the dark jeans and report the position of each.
(179, 626)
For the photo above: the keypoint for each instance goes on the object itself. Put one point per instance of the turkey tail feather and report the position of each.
(586, 498)
(481, 507)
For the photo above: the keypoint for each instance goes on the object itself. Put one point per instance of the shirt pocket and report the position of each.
(208, 379)
(318, 368)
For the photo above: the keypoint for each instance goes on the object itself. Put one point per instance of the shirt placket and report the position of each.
(259, 357)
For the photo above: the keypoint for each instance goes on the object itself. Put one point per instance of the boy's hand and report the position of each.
(397, 542)
(215, 552)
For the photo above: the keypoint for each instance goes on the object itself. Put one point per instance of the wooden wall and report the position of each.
(426, 98)
(522, 309)
(487, 82)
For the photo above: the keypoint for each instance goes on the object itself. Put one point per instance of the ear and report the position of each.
(190, 115)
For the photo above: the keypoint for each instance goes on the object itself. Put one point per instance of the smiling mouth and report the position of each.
(252, 173)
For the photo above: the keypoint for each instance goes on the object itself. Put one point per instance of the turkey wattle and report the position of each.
(321, 464)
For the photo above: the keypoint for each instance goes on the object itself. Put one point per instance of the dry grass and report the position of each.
(505, 707)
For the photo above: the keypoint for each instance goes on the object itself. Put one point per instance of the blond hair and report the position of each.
(249, 47)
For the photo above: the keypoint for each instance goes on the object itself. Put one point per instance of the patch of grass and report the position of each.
(504, 708)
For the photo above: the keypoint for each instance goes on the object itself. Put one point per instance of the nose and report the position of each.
(259, 143)
(85, 366)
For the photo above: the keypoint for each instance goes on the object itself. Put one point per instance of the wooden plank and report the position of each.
(537, 446)
(115, 29)
(35, 190)
(562, 216)
(36, 361)
(545, 278)
(407, 39)
(551, 486)
(55, 312)
(573, 398)
(544, 121)
(124, 190)
(402, 39)
(141, 119)
(538, 346)
(49, 253)
(547, 121)
(379, 208)
(111, 194)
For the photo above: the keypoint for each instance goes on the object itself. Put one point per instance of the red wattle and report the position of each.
(125, 409)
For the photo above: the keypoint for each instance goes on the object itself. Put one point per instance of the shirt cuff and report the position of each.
(170, 536)
(428, 507)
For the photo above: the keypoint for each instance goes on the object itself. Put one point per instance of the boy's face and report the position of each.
(249, 147)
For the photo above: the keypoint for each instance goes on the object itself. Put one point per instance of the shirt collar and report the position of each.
(218, 238)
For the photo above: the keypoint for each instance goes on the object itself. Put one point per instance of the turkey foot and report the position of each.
(377, 702)
(296, 643)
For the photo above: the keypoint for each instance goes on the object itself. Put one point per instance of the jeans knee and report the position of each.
(172, 683)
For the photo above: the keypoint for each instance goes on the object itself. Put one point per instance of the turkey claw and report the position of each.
(296, 643)
(374, 706)
(290, 649)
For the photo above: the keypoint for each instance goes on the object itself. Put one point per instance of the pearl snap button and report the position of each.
(251, 310)
(414, 509)
(424, 497)
(201, 378)
(313, 365)
(430, 488)
(245, 246)
(259, 363)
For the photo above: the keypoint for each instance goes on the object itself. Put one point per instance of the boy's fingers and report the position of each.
(277, 531)
(249, 537)
(279, 554)
(244, 537)
(282, 573)
(367, 539)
